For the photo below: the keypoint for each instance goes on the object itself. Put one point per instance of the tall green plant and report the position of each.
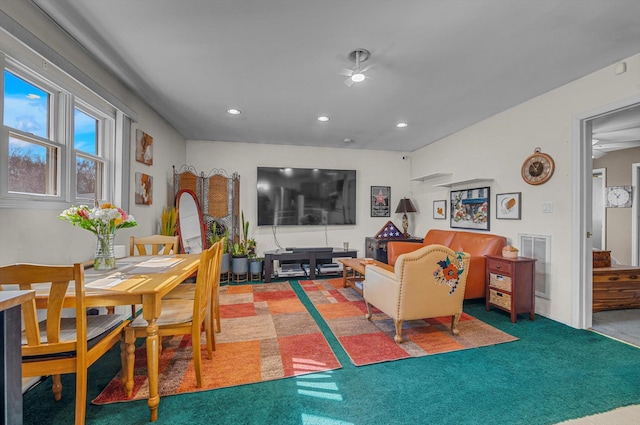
(168, 221)
(216, 238)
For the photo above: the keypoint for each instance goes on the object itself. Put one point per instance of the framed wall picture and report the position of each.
(509, 206)
(144, 147)
(380, 201)
(144, 189)
(440, 209)
(469, 208)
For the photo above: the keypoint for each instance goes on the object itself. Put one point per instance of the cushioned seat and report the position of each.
(428, 282)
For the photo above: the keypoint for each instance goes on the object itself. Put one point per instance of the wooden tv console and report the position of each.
(616, 287)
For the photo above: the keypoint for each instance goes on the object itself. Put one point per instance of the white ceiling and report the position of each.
(438, 65)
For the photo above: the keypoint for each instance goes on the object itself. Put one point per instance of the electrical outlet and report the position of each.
(547, 207)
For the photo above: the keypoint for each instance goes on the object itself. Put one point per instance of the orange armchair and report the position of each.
(477, 245)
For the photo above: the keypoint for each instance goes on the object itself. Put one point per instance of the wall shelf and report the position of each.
(463, 182)
(430, 176)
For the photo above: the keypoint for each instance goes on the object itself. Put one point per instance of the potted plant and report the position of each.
(168, 221)
(239, 259)
(240, 251)
(214, 238)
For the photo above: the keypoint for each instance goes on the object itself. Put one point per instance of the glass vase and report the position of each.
(105, 258)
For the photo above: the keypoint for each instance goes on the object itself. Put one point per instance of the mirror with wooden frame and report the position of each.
(191, 229)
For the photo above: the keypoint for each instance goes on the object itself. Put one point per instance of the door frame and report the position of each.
(602, 172)
(581, 187)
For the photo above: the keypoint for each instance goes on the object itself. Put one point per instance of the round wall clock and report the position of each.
(619, 197)
(537, 168)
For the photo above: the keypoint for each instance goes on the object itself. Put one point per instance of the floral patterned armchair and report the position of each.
(428, 282)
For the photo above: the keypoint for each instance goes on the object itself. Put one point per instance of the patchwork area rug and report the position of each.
(266, 334)
(371, 341)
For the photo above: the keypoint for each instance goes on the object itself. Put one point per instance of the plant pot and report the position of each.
(224, 265)
(239, 265)
(255, 267)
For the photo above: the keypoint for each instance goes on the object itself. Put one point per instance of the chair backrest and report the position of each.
(160, 245)
(60, 277)
(432, 278)
(217, 265)
(204, 282)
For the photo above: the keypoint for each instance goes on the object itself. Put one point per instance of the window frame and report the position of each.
(65, 95)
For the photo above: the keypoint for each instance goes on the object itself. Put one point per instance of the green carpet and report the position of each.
(553, 373)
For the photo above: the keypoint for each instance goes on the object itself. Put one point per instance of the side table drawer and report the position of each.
(500, 299)
(499, 267)
(499, 281)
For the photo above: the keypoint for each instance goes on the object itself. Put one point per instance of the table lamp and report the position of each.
(404, 206)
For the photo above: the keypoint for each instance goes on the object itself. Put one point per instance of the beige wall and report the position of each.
(373, 168)
(37, 235)
(618, 220)
(496, 148)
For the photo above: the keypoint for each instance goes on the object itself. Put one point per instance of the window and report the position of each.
(32, 159)
(59, 140)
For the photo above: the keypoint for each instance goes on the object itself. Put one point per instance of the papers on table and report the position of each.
(154, 265)
(106, 282)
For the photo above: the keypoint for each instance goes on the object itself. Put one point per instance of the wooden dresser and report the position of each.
(616, 287)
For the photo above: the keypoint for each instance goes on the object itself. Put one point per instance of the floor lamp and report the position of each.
(405, 206)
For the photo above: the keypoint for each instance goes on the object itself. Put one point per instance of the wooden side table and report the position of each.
(511, 285)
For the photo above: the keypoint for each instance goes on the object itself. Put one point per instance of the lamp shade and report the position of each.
(405, 205)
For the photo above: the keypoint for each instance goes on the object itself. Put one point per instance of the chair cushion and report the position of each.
(97, 328)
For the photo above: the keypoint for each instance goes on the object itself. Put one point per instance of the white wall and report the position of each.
(373, 168)
(37, 235)
(496, 148)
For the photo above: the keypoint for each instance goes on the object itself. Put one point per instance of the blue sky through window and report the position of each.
(26, 107)
(84, 132)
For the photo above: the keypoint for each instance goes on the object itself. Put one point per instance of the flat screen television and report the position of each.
(306, 196)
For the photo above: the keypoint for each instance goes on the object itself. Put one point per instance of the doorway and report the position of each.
(611, 129)
(582, 151)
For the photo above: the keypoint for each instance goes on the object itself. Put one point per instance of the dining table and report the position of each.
(141, 280)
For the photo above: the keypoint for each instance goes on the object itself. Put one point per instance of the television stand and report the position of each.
(310, 256)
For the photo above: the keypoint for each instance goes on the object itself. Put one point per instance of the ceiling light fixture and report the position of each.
(402, 125)
(358, 77)
(323, 118)
(234, 111)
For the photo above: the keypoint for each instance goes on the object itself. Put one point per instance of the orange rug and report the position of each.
(371, 341)
(266, 334)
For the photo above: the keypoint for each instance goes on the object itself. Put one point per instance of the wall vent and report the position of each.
(538, 247)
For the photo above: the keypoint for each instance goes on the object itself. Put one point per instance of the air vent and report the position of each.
(538, 247)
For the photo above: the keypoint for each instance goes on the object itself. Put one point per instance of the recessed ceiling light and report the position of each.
(402, 125)
(234, 111)
(323, 118)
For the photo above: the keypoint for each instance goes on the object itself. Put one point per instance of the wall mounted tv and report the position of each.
(306, 196)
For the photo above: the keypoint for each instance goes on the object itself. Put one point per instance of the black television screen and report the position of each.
(306, 196)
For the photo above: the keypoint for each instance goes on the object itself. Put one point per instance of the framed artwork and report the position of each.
(469, 208)
(144, 189)
(380, 201)
(144, 147)
(509, 206)
(440, 209)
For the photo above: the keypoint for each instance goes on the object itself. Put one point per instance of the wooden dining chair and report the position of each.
(187, 291)
(58, 345)
(178, 317)
(158, 245)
